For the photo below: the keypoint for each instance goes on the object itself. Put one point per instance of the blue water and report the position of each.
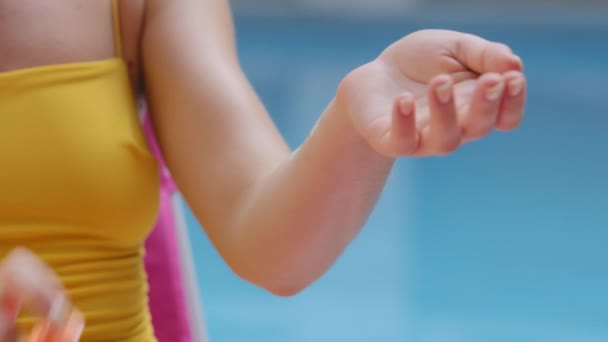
(504, 241)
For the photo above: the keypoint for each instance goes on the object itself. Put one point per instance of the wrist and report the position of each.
(343, 133)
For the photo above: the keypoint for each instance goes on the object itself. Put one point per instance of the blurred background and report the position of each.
(503, 241)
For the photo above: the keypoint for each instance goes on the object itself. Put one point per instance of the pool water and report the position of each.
(503, 241)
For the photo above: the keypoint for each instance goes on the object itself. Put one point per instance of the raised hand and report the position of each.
(433, 91)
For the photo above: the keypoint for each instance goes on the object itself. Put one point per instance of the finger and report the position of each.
(483, 110)
(403, 138)
(484, 56)
(37, 334)
(71, 331)
(59, 311)
(443, 135)
(512, 108)
(74, 327)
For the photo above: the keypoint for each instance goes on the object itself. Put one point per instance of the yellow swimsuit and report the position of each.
(79, 187)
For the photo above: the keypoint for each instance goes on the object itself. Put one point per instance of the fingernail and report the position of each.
(57, 310)
(444, 92)
(517, 61)
(495, 92)
(406, 106)
(74, 327)
(515, 86)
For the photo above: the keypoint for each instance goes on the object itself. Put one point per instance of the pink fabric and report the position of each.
(162, 262)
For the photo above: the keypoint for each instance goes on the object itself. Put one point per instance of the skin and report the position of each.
(279, 218)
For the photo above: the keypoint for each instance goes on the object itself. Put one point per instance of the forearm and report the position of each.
(298, 219)
(278, 219)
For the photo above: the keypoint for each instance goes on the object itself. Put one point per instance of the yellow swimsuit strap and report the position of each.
(116, 24)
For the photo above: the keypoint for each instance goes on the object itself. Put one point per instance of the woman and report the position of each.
(80, 187)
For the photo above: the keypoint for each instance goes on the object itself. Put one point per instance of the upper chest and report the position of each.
(38, 32)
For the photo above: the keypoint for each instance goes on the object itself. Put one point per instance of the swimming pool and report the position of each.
(503, 241)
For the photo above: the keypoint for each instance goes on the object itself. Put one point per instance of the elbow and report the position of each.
(280, 276)
(284, 289)
(284, 292)
(271, 281)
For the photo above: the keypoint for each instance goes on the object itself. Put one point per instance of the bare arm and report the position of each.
(279, 218)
